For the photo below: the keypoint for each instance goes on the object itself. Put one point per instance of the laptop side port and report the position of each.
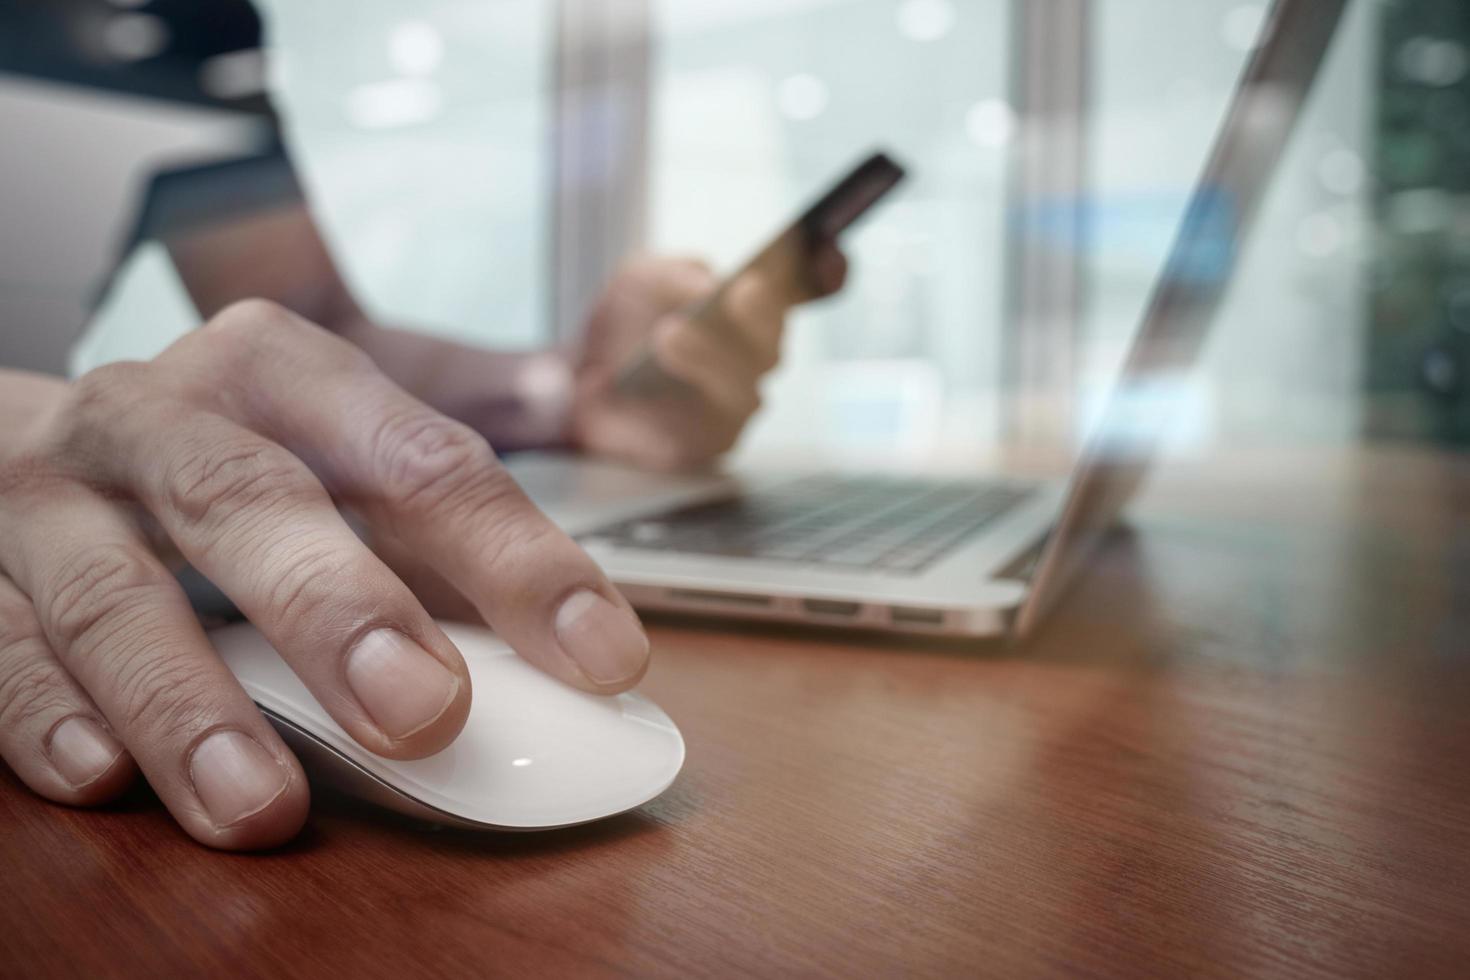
(914, 616)
(832, 607)
(743, 599)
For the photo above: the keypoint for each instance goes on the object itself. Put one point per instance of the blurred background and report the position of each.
(481, 166)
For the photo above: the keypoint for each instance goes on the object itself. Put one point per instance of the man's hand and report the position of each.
(646, 304)
(233, 448)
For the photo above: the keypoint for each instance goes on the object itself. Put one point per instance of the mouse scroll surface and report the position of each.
(534, 752)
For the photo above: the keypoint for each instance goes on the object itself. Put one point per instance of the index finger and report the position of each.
(434, 484)
(829, 268)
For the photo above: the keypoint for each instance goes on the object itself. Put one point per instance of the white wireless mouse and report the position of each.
(534, 753)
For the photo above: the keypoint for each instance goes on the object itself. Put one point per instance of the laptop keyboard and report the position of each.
(883, 523)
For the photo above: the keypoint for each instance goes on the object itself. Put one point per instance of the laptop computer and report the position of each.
(946, 556)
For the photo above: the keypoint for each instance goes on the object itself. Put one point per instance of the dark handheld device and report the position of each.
(787, 262)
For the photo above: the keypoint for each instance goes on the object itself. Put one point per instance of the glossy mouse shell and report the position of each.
(534, 753)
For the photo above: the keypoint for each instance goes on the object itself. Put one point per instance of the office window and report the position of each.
(426, 138)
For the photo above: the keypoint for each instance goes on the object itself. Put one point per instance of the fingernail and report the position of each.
(82, 750)
(403, 687)
(606, 640)
(234, 776)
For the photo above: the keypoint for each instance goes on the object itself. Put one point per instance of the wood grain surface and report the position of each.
(1240, 748)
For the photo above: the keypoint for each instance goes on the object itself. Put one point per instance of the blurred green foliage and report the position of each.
(1418, 368)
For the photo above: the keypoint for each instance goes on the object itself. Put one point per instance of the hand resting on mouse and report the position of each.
(232, 451)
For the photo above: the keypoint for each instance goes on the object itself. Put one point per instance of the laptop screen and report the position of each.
(1252, 139)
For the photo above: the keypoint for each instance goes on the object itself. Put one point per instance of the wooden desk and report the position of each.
(1242, 747)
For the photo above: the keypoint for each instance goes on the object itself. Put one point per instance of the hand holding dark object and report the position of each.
(233, 449)
(671, 370)
(715, 362)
